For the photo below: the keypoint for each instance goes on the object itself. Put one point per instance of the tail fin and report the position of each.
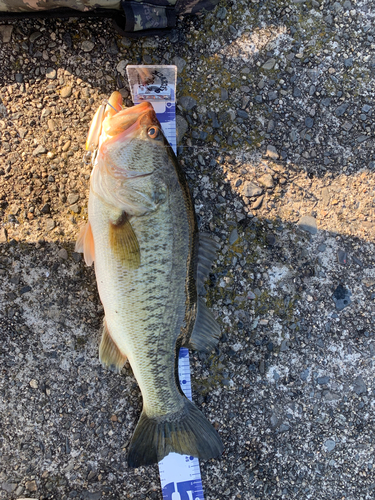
(187, 432)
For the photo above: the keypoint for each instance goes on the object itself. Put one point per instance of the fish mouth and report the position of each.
(128, 120)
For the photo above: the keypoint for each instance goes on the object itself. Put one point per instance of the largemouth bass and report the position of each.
(150, 262)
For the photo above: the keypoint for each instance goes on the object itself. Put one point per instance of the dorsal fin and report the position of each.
(85, 244)
(206, 331)
(206, 255)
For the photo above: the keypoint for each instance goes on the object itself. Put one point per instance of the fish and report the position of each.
(150, 264)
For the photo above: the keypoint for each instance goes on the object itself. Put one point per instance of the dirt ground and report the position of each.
(276, 137)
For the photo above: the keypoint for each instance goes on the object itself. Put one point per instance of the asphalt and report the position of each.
(276, 137)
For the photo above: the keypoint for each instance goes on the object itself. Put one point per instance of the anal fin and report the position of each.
(124, 242)
(85, 244)
(206, 331)
(109, 354)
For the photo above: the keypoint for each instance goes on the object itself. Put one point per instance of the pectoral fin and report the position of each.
(85, 244)
(109, 354)
(124, 242)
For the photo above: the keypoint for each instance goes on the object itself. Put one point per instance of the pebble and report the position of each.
(251, 189)
(180, 63)
(308, 224)
(66, 92)
(63, 254)
(8, 487)
(323, 380)
(66, 146)
(31, 485)
(359, 386)
(182, 127)
(72, 198)
(342, 257)
(341, 297)
(258, 203)
(87, 46)
(340, 110)
(233, 236)
(272, 152)
(269, 64)
(50, 224)
(187, 102)
(6, 31)
(330, 444)
(51, 73)
(34, 36)
(39, 150)
(51, 125)
(34, 384)
(266, 180)
(322, 247)
(222, 13)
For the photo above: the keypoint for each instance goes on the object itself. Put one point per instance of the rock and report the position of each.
(272, 152)
(251, 189)
(222, 13)
(340, 110)
(31, 485)
(66, 92)
(308, 223)
(51, 125)
(121, 67)
(50, 224)
(6, 31)
(323, 380)
(180, 63)
(34, 36)
(269, 64)
(66, 146)
(51, 73)
(46, 209)
(34, 384)
(329, 445)
(9, 487)
(266, 180)
(309, 122)
(258, 203)
(233, 236)
(187, 102)
(39, 150)
(223, 94)
(87, 46)
(3, 235)
(359, 386)
(63, 254)
(72, 198)
(182, 127)
(341, 297)
(342, 257)
(326, 196)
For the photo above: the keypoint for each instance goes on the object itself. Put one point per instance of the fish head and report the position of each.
(132, 148)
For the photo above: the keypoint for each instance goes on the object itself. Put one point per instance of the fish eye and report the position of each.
(153, 132)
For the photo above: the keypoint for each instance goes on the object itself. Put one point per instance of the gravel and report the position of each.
(276, 137)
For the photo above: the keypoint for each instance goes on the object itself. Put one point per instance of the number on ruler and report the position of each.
(185, 491)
